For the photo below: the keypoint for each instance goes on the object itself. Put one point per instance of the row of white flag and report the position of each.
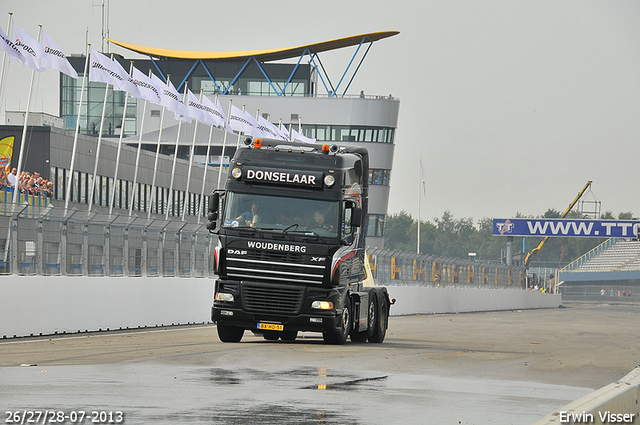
(24, 48)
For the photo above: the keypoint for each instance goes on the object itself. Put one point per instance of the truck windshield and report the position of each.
(281, 213)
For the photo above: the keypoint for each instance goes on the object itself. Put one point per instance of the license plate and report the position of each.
(270, 327)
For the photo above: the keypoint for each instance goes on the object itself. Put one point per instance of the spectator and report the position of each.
(362, 94)
(12, 177)
(4, 182)
(49, 190)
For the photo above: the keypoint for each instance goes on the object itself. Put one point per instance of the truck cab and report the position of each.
(291, 226)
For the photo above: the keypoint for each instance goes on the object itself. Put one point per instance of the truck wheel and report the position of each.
(373, 314)
(228, 333)
(380, 326)
(340, 337)
(289, 335)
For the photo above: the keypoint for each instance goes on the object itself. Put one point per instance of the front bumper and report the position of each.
(321, 322)
(297, 316)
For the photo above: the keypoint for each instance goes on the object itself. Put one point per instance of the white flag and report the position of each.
(423, 178)
(282, 129)
(219, 117)
(269, 128)
(54, 58)
(29, 46)
(171, 99)
(242, 122)
(148, 88)
(197, 110)
(104, 70)
(9, 46)
(299, 138)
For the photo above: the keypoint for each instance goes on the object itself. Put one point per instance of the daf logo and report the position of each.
(236, 252)
(319, 259)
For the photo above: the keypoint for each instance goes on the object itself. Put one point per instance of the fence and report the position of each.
(50, 242)
(44, 241)
(405, 268)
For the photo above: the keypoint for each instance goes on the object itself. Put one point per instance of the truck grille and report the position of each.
(276, 267)
(269, 299)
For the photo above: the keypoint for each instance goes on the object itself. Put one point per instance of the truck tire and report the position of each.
(380, 326)
(228, 333)
(372, 313)
(340, 337)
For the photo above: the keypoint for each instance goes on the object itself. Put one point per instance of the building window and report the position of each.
(92, 105)
(339, 133)
(379, 177)
(376, 225)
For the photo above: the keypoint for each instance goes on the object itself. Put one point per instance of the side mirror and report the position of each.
(358, 168)
(214, 201)
(356, 217)
(212, 217)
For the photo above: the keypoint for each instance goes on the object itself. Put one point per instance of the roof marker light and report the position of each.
(257, 143)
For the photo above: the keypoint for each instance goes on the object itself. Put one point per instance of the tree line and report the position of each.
(453, 237)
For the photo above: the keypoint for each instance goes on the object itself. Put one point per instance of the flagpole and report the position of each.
(224, 143)
(206, 168)
(240, 132)
(155, 165)
(193, 147)
(5, 62)
(419, 195)
(135, 173)
(175, 156)
(77, 130)
(24, 131)
(115, 174)
(95, 165)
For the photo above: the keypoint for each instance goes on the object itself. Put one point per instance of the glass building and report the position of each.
(300, 95)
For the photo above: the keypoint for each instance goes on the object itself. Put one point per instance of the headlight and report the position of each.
(329, 180)
(322, 305)
(236, 173)
(222, 296)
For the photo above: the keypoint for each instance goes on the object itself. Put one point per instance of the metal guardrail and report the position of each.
(46, 241)
(49, 242)
(391, 267)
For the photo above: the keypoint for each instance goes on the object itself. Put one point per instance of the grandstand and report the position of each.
(612, 269)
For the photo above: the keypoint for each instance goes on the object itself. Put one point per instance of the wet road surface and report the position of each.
(479, 368)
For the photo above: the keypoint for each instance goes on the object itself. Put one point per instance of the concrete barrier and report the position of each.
(615, 403)
(429, 300)
(36, 305)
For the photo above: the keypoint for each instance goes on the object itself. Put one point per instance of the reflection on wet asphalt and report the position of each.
(152, 393)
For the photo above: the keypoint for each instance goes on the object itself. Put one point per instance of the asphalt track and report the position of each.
(510, 367)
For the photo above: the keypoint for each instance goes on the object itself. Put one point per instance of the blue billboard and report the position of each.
(557, 227)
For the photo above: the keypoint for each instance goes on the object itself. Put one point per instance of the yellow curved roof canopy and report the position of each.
(260, 55)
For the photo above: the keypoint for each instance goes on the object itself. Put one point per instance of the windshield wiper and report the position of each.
(294, 226)
(252, 230)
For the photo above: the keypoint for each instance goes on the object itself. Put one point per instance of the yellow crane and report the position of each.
(537, 249)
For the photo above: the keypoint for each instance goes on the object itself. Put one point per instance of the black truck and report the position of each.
(291, 225)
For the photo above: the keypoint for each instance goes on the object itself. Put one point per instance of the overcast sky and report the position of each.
(512, 105)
